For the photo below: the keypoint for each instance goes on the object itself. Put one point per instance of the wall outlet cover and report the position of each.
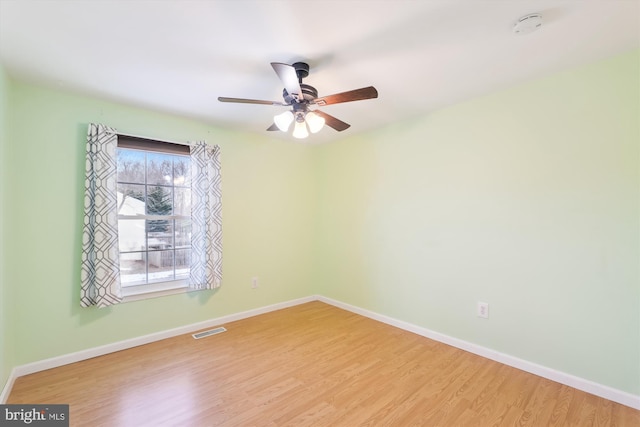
(483, 310)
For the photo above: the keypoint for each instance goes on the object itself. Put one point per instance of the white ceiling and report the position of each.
(178, 56)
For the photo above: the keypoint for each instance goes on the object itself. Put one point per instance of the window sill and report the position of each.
(160, 289)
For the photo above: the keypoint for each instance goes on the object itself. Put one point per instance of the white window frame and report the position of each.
(161, 288)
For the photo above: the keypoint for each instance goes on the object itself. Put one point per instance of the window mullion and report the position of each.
(154, 217)
(146, 224)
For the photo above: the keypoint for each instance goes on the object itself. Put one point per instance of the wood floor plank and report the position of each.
(541, 405)
(310, 365)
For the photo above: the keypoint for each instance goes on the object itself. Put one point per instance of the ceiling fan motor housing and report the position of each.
(309, 93)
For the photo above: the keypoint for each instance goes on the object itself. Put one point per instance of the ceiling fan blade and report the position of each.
(332, 122)
(289, 78)
(249, 101)
(352, 95)
(273, 127)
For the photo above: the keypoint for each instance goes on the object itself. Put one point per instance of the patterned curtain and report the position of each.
(100, 274)
(206, 217)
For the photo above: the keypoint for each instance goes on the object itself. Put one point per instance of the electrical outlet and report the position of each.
(254, 282)
(483, 310)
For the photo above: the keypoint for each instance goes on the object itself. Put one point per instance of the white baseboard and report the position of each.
(585, 385)
(8, 386)
(89, 353)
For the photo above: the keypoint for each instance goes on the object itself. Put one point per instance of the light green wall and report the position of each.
(4, 113)
(527, 199)
(266, 213)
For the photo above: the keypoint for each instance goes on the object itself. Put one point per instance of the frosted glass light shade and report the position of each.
(300, 130)
(283, 121)
(314, 121)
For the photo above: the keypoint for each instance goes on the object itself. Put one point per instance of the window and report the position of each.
(154, 215)
(156, 209)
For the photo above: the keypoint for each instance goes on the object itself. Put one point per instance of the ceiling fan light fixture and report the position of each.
(283, 121)
(300, 130)
(314, 121)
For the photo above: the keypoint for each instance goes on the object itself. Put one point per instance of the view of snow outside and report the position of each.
(154, 224)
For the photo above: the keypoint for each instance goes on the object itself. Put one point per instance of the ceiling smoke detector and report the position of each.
(528, 24)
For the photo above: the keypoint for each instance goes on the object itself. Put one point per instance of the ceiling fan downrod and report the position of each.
(302, 70)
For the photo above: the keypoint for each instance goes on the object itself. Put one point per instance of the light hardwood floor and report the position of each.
(310, 365)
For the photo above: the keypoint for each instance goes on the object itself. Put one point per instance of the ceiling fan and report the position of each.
(300, 97)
